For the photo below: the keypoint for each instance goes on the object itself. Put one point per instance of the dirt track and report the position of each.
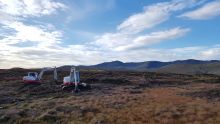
(116, 97)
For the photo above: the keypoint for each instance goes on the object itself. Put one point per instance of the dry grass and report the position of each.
(112, 100)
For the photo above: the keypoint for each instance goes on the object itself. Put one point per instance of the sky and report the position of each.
(42, 33)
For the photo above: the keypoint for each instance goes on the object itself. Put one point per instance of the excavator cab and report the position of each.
(35, 78)
(31, 78)
(33, 74)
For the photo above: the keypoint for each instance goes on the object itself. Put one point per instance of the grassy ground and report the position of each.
(115, 98)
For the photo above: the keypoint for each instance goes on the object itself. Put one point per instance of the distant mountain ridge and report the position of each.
(189, 66)
(148, 64)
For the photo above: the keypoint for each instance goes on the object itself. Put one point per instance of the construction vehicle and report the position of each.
(34, 78)
(72, 82)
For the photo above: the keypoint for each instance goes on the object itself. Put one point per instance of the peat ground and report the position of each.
(118, 97)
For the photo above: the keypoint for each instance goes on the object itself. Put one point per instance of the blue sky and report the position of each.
(37, 33)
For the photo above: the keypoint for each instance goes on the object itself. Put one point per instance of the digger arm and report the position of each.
(42, 73)
(48, 69)
(55, 74)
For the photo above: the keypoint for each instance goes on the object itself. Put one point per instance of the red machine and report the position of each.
(34, 78)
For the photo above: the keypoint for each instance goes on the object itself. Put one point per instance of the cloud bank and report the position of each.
(25, 44)
(208, 11)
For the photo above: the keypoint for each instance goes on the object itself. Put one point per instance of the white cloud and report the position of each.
(194, 52)
(25, 8)
(153, 38)
(14, 15)
(153, 15)
(42, 40)
(13, 56)
(112, 40)
(208, 11)
(122, 42)
(212, 53)
(28, 33)
(29, 45)
(36, 56)
(127, 35)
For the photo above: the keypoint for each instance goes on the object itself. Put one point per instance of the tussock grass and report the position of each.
(115, 98)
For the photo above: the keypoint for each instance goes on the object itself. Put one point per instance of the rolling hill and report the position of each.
(189, 66)
(207, 68)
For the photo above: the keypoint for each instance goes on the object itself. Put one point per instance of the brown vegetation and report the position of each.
(115, 98)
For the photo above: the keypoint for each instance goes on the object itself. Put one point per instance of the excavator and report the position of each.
(34, 78)
(72, 82)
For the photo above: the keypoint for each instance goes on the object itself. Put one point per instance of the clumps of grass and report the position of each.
(90, 80)
(98, 119)
(136, 91)
(89, 110)
(11, 116)
(207, 79)
(213, 94)
(116, 81)
(67, 109)
(50, 118)
(218, 80)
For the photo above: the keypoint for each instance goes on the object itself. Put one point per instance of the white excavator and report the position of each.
(34, 78)
(72, 82)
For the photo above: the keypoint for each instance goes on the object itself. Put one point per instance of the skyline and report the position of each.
(37, 33)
